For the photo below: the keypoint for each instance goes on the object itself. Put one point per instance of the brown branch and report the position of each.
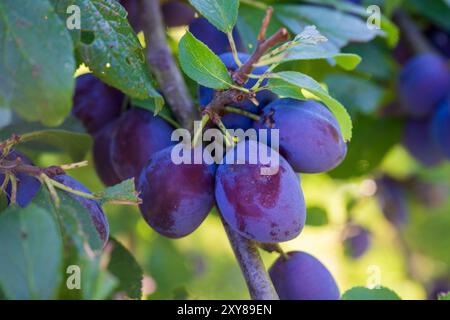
(265, 24)
(164, 66)
(258, 282)
(17, 166)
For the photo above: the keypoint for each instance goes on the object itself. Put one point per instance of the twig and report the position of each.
(242, 112)
(163, 64)
(413, 37)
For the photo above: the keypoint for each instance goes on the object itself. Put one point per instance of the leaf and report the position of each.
(74, 219)
(300, 80)
(112, 50)
(380, 134)
(444, 296)
(347, 61)
(37, 62)
(123, 192)
(149, 104)
(96, 283)
(31, 251)
(339, 27)
(37, 137)
(126, 269)
(437, 11)
(365, 95)
(221, 13)
(389, 29)
(202, 65)
(316, 217)
(362, 293)
(376, 60)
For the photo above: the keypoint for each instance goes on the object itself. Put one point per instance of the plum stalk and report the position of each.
(171, 82)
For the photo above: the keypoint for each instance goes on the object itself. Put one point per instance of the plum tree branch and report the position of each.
(163, 64)
(172, 84)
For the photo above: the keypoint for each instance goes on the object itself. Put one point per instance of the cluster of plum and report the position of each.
(130, 142)
(424, 91)
(28, 186)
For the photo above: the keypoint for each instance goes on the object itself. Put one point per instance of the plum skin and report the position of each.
(392, 200)
(176, 197)
(265, 208)
(136, 137)
(302, 277)
(101, 154)
(310, 137)
(215, 39)
(95, 103)
(440, 128)
(27, 186)
(93, 207)
(423, 82)
(357, 242)
(418, 141)
(232, 120)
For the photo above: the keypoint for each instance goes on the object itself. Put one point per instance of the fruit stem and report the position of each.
(229, 142)
(51, 189)
(5, 183)
(198, 133)
(75, 165)
(233, 49)
(70, 190)
(258, 281)
(242, 112)
(13, 180)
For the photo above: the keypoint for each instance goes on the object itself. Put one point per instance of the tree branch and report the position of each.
(169, 78)
(163, 64)
(258, 282)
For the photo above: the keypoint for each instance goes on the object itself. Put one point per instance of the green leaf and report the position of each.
(376, 60)
(96, 283)
(339, 27)
(301, 81)
(365, 95)
(360, 159)
(37, 63)
(362, 293)
(74, 219)
(444, 296)
(202, 65)
(437, 11)
(126, 269)
(111, 49)
(347, 61)
(316, 217)
(389, 29)
(31, 251)
(221, 13)
(37, 138)
(123, 192)
(149, 104)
